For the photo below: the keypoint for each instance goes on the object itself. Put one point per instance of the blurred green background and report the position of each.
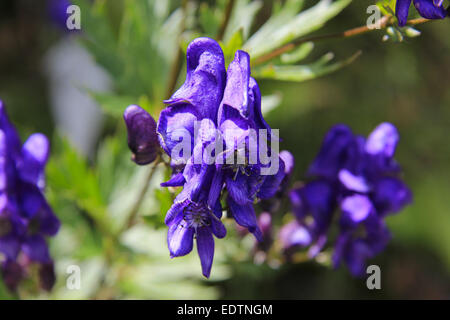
(404, 83)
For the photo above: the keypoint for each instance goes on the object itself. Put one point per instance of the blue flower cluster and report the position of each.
(213, 107)
(359, 177)
(26, 218)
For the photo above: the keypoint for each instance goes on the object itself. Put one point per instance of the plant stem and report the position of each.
(134, 211)
(384, 23)
(226, 19)
(178, 62)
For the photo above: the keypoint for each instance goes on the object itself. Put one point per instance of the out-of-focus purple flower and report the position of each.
(142, 136)
(274, 203)
(358, 176)
(313, 206)
(289, 163)
(26, 218)
(265, 225)
(12, 274)
(429, 9)
(57, 11)
(47, 276)
(293, 236)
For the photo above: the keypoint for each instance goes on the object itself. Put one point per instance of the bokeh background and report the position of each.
(404, 83)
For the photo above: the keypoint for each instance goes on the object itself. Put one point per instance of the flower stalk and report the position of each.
(385, 22)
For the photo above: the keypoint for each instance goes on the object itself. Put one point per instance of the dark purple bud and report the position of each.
(12, 274)
(47, 276)
(142, 137)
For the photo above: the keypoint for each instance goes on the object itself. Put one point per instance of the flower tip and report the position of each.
(206, 274)
(241, 55)
(289, 161)
(132, 110)
(258, 234)
(201, 45)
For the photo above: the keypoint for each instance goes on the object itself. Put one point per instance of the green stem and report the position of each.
(134, 211)
(226, 19)
(178, 62)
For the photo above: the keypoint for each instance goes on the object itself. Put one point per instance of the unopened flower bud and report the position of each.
(142, 137)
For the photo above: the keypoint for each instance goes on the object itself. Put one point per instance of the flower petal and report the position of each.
(35, 152)
(401, 11)
(355, 209)
(255, 107)
(49, 224)
(176, 208)
(176, 129)
(339, 150)
(180, 239)
(383, 140)
(12, 139)
(216, 187)
(430, 10)
(293, 234)
(36, 249)
(318, 198)
(245, 216)
(205, 78)
(391, 195)
(289, 162)
(12, 274)
(177, 180)
(217, 226)
(10, 246)
(272, 183)
(236, 91)
(205, 248)
(241, 187)
(352, 182)
(142, 137)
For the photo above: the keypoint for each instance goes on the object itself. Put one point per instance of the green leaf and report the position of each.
(305, 22)
(234, 44)
(209, 19)
(278, 19)
(69, 176)
(270, 102)
(301, 73)
(112, 104)
(387, 7)
(242, 17)
(298, 54)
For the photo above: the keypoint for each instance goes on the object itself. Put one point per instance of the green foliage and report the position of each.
(71, 177)
(284, 28)
(301, 73)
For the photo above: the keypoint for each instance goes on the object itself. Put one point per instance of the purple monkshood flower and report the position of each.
(194, 213)
(213, 107)
(26, 218)
(429, 9)
(239, 118)
(359, 176)
(142, 137)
